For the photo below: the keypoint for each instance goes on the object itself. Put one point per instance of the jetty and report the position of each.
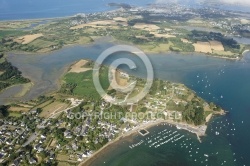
(143, 132)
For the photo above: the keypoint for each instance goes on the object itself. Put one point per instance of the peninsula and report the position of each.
(73, 124)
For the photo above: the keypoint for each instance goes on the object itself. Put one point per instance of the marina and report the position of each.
(169, 137)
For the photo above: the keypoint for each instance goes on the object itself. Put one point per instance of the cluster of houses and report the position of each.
(83, 18)
(170, 93)
(12, 135)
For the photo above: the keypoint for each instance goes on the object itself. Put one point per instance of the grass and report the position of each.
(16, 24)
(44, 104)
(84, 40)
(65, 164)
(53, 107)
(15, 114)
(41, 43)
(62, 157)
(84, 83)
(5, 33)
(207, 113)
(223, 53)
(2, 60)
(18, 109)
(155, 48)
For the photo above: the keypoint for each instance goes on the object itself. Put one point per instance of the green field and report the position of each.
(15, 114)
(8, 33)
(81, 84)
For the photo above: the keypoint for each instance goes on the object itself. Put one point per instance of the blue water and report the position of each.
(33, 9)
(229, 87)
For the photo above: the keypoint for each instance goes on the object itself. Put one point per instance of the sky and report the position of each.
(236, 1)
(241, 2)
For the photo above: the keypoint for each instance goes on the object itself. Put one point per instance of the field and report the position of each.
(44, 104)
(81, 84)
(224, 53)
(5, 33)
(147, 27)
(41, 43)
(95, 24)
(213, 47)
(61, 157)
(16, 24)
(79, 67)
(153, 48)
(66, 164)
(53, 108)
(202, 47)
(15, 114)
(18, 109)
(162, 35)
(217, 46)
(121, 81)
(118, 79)
(84, 40)
(27, 105)
(185, 41)
(52, 143)
(28, 38)
(121, 19)
(2, 60)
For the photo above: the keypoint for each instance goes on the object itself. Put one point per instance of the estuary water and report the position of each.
(225, 82)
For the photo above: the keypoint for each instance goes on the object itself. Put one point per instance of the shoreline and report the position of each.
(114, 41)
(117, 42)
(111, 40)
(60, 17)
(181, 53)
(101, 39)
(178, 125)
(18, 96)
(37, 19)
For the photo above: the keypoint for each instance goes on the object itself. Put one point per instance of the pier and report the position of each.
(143, 132)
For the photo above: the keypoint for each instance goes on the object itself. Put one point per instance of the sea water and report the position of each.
(225, 82)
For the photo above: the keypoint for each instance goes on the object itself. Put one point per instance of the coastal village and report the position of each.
(69, 126)
(181, 18)
(52, 133)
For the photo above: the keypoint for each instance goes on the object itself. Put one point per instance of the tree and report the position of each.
(39, 110)
(4, 111)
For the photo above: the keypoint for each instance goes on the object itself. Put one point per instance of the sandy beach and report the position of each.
(78, 67)
(100, 152)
